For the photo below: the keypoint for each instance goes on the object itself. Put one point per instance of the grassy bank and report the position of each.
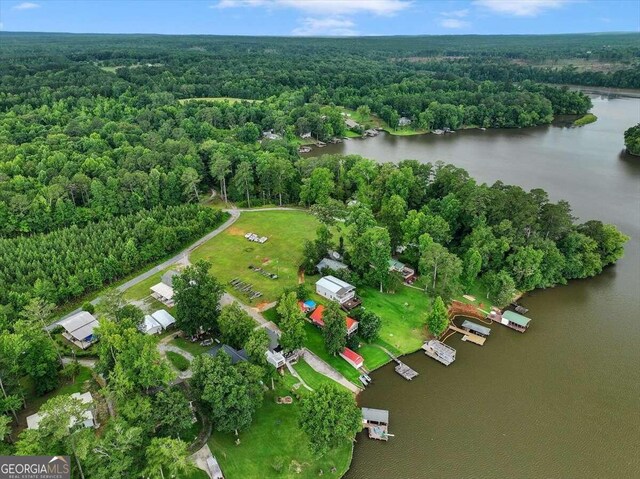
(585, 120)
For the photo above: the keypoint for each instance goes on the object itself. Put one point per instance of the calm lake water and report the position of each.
(563, 399)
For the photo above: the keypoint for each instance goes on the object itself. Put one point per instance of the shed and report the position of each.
(79, 329)
(150, 325)
(476, 328)
(352, 358)
(164, 318)
(515, 321)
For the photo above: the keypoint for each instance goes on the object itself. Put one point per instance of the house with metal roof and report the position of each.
(317, 318)
(515, 321)
(150, 325)
(408, 274)
(337, 290)
(167, 278)
(236, 356)
(352, 358)
(332, 264)
(78, 329)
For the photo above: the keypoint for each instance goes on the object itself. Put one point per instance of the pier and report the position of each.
(439, 351)
(401, 368)
(376, 421)
(468, 336)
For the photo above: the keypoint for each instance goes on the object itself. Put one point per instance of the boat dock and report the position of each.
(439, 351)
(376, 421)
(468, 336)
(401, 368)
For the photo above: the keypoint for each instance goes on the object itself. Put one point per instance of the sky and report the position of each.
(320, 17)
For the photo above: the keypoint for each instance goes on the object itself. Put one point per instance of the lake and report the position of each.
(563, 399)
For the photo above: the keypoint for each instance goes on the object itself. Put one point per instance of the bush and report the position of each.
(178, 360)
(88, 307)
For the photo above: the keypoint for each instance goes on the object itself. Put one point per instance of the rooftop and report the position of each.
(335, 285)
(516, 318)
(476, 327)
(377, 415)
(236, 356)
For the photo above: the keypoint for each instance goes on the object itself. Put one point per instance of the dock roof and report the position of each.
(477, 328)
(377, 415)
(516, 318)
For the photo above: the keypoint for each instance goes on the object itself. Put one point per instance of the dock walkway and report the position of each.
(401, 368)
(468, 336)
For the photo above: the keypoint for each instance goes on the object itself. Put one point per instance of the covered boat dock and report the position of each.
(476, 328)
(376, 421)
(515, 321)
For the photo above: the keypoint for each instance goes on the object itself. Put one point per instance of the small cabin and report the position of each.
(78, 329)
(317, 318)
(515, 321)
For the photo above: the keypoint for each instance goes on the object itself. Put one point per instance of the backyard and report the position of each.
(275, 446)
(231, 253)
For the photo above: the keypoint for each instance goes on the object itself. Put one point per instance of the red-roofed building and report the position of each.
(352, 325)
(316, 316)
(318, 313)
(352, 358)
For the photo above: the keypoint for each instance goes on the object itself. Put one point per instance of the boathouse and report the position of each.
(376, 421)
(476, 328)
(352, 358)
(515, 321)
(439, 351)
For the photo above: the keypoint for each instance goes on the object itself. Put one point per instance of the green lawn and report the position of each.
(313, 379)
(231, 253)
(479, 292)
(178, 360)
(403, 316)
(188, 346)
(315, 342)
(275, 438)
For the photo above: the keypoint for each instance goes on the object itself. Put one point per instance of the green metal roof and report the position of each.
(516, 318)
(394, 263)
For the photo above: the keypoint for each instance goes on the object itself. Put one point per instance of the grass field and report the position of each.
(188, 346)
(275, 439)
(403, 316)
(227, 99)
(231, 253)
(585, 120)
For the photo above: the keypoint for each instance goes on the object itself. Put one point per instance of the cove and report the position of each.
(563, 399)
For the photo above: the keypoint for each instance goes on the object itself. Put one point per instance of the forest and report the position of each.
(632, 140)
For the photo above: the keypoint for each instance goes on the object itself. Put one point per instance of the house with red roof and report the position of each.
(352, 358)
(318, 313)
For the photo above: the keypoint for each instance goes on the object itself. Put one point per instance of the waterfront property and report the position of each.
(408, 274)
(352, 358)
(515, 321)
(317, 318)
(78, 329)
(376, 422)
(332, 264)
(439, 351)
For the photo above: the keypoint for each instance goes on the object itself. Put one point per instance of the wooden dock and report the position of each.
(468, 336)
(402, 369)
(439, 351)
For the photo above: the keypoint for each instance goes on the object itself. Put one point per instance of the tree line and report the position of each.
(69, 262)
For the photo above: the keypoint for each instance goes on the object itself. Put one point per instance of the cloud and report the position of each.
(331, 26)
(26, 6)
(456, 13)
(520, 8)
(324, 7)
(453, 23)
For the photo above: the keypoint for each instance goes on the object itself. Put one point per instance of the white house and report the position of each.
(335, 289)
(33, 421)
(404, 121)
(78, 329)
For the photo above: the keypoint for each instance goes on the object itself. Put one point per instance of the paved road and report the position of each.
(329, 371)
(182, 257)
